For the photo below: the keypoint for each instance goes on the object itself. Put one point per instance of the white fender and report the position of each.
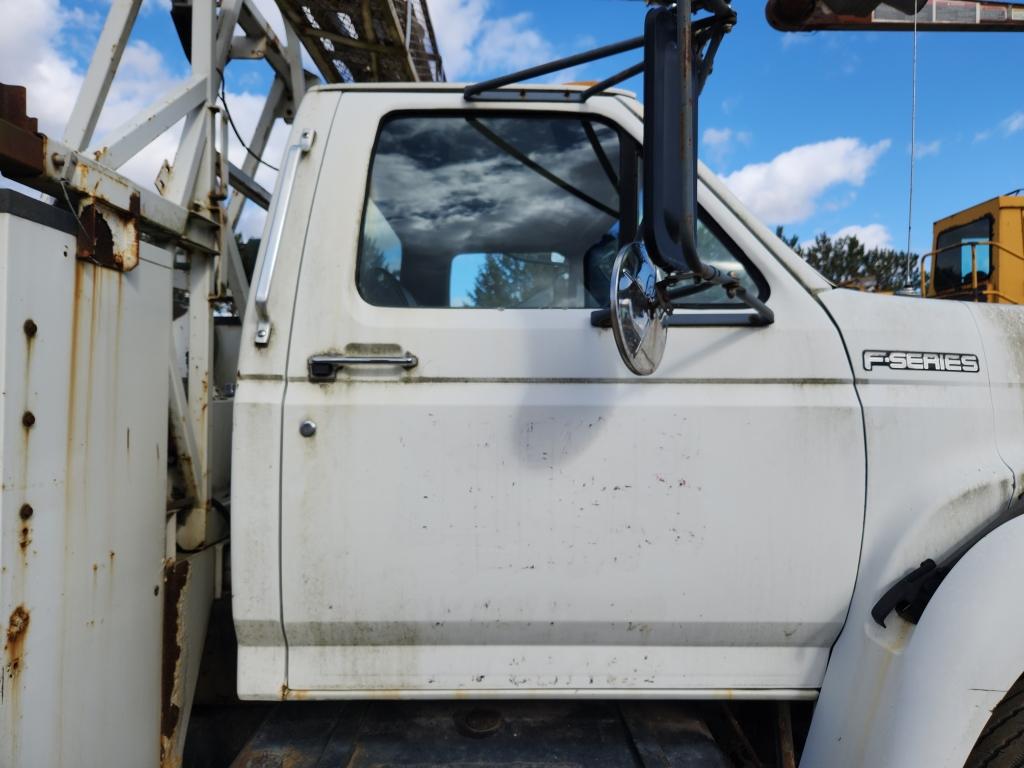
(929, 689)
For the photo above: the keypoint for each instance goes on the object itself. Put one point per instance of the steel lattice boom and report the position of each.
(367, 40)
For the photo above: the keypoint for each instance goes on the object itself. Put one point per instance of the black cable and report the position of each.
(234, 128)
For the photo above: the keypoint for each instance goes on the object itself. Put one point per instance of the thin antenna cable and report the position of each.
(913, 153)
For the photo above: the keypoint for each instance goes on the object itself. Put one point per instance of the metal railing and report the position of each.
(978, 289)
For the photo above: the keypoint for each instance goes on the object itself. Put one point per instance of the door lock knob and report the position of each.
(307, 428)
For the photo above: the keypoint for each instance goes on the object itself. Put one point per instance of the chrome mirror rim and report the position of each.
(637, 312)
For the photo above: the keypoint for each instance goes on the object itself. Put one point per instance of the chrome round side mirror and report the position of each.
(638, 314)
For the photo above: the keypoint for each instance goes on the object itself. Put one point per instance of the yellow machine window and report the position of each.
(953, 265)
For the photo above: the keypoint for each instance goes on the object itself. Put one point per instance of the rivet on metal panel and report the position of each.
(28, 419)
(30, 328)
(25, 512)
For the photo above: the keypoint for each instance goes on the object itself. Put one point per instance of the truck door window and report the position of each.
(494, 211)
(715, 248)
(497, 280)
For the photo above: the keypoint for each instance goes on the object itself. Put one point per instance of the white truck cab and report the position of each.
(533, 425)
(446, 483)
(518, 513)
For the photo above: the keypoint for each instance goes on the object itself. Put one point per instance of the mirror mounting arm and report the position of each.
(698, 44)
(485, 90)
(764, 312)
(679, 54)
(687, 139)
(669, 290)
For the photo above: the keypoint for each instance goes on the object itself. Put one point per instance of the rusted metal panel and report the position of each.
(65, 169)
(13, 109)
(171, 687)
(893, 15)
(14, 644)
(108, 237)
(83, 388)
(124, 207)
(188, 585)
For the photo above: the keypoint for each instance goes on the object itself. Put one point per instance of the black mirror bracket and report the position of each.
(680, 284)
(679, 53)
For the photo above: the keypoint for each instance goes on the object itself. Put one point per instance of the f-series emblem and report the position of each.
(955, 362)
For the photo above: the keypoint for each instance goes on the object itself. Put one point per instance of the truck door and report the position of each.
(477, 498)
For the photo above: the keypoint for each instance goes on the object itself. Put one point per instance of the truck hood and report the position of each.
(940, 385)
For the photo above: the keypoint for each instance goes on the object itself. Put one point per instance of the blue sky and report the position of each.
(812, 131)
(771, 92)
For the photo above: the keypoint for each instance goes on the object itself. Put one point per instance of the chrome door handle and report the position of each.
(325, 367)
(277, 214)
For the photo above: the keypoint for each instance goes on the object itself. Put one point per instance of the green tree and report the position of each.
(507, 280)
(842, 260)
(889, 268)
(792, 240)
(845, 261)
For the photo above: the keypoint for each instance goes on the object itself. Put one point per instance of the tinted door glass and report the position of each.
(490, 212)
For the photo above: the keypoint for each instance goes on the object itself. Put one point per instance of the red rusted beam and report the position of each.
(21, 145)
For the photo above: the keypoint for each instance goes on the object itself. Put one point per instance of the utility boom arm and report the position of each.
(895, 15)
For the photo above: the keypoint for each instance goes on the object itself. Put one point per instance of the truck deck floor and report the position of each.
(477, 734)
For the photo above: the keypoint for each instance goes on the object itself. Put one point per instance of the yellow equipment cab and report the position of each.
(977, 254)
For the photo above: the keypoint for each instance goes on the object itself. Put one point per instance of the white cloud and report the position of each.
(510, 43)
(870, 235)
(1007, 127)
(245, 110)
(148, 6)
(839, 201)
(472, 42)
(926, 148)
(30, 55)
(791, 39)
(719, 142)
(1013, 123)
(457, 26)
(33, 54)
(717, 137)
(787, 188)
